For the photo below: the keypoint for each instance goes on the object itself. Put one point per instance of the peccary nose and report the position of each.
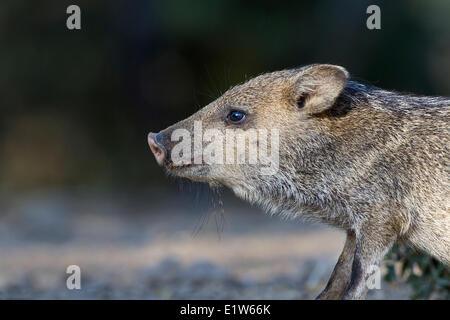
(154, 141)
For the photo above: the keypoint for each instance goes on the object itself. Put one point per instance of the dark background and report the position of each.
(76, 106)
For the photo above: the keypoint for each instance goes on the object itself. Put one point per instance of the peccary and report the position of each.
(372, 162)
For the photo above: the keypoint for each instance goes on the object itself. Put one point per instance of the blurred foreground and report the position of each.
(153, 245)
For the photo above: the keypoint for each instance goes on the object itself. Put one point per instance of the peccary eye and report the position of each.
(236, 116)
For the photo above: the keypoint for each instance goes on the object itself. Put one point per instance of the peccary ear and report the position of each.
(318, 86)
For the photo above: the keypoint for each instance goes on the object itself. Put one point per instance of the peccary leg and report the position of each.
(371, 246)
(340, 277)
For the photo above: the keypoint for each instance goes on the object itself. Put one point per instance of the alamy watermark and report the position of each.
(73, 281)
(73, 21)
(231, 146)
(374, 20)
(374, 277)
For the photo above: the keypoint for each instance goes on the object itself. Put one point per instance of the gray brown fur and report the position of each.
(372, 162)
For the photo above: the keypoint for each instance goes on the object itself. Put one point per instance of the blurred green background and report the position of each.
(76, 106)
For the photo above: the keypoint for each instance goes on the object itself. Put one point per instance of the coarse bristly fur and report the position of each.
(372, 162)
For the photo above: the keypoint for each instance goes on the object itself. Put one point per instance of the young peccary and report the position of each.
(371, 162)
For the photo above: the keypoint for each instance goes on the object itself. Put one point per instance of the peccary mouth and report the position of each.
(171, 165)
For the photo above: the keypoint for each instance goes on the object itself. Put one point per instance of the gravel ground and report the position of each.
(151, 245)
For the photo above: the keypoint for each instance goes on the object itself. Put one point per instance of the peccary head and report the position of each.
(255, 138)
